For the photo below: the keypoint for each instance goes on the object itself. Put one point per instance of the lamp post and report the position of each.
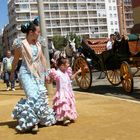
(44, 35)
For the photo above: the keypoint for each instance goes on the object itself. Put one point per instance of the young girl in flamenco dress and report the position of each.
(64, 100)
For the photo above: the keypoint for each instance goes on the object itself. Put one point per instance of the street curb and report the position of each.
(112, 97)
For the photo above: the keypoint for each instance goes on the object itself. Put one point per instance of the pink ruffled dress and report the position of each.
(64, 100)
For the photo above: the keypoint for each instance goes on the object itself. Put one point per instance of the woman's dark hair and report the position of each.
(61, 60)
(25, 28)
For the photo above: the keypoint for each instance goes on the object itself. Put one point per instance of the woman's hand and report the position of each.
(79, 71)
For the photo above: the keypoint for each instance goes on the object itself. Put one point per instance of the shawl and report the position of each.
(35, 66)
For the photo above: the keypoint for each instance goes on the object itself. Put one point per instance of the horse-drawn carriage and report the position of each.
(115, 63)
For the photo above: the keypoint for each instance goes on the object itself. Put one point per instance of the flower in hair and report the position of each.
(36, 20)
(24, 27)
(27, 24)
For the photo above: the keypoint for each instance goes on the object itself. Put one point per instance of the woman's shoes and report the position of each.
(35, 129)
(19, 129)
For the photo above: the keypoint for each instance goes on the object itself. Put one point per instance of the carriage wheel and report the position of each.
(113, 77)
(126, 77)
(84, 79)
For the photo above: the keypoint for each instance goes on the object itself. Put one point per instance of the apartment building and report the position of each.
(125, 12)
(93, 18)
(136, 11)
(136, 16)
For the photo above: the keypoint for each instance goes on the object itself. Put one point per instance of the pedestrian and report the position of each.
(34, 110)
(17, 72)
(6, 71)
(64, 101)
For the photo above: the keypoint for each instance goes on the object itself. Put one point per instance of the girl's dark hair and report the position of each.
(25, 28)
(61, 60)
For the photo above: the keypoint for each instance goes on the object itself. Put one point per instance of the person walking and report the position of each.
(6, 71)
(34, 110)
(64, 101)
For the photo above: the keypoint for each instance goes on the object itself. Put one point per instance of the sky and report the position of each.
(3, 13)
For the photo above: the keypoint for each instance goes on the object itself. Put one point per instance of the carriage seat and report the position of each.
(134, 47)
(98, 45)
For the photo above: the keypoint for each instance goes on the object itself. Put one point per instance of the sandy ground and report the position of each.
(100, 118)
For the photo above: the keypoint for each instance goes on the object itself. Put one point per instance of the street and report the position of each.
(100, 117)
(103, 87)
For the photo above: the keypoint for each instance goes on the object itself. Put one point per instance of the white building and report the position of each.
(112, 16)
(94, 18)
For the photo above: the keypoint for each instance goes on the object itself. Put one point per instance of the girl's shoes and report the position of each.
(72, 121)
(66, 122)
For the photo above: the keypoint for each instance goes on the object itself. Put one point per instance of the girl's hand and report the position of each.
(48, 80)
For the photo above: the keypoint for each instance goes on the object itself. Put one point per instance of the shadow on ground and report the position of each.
(109, 90)
(10, 124)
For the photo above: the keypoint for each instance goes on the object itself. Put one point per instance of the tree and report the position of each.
(77, 38)
(61, 41)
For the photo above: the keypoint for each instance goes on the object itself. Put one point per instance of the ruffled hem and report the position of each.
(64, 109)
(61, 115)
(30, 112)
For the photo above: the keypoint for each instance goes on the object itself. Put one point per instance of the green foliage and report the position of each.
(77, 38)
(60, 41)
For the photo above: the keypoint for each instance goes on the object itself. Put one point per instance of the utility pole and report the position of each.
(122, 18)
(44, 35)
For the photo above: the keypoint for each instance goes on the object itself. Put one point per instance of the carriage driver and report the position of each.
(120, 45)
(120, 49)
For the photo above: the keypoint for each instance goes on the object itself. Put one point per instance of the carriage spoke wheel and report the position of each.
(113, 77)
(126, 77)
(84, 79)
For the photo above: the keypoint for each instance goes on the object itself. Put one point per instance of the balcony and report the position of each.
(21, 10)
(19, 1)
(22, 18)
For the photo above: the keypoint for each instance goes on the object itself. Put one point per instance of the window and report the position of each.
(110, 8)
(111, 22)
(114, 7)
(115, 15)
(24, 6)
(116, 23)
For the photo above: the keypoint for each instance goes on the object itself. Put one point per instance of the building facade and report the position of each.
(136, 11)
(93, 18)
(125, 12)
(5, 39)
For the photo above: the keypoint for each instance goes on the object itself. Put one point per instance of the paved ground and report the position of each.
(100, 118)
(103, 87)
